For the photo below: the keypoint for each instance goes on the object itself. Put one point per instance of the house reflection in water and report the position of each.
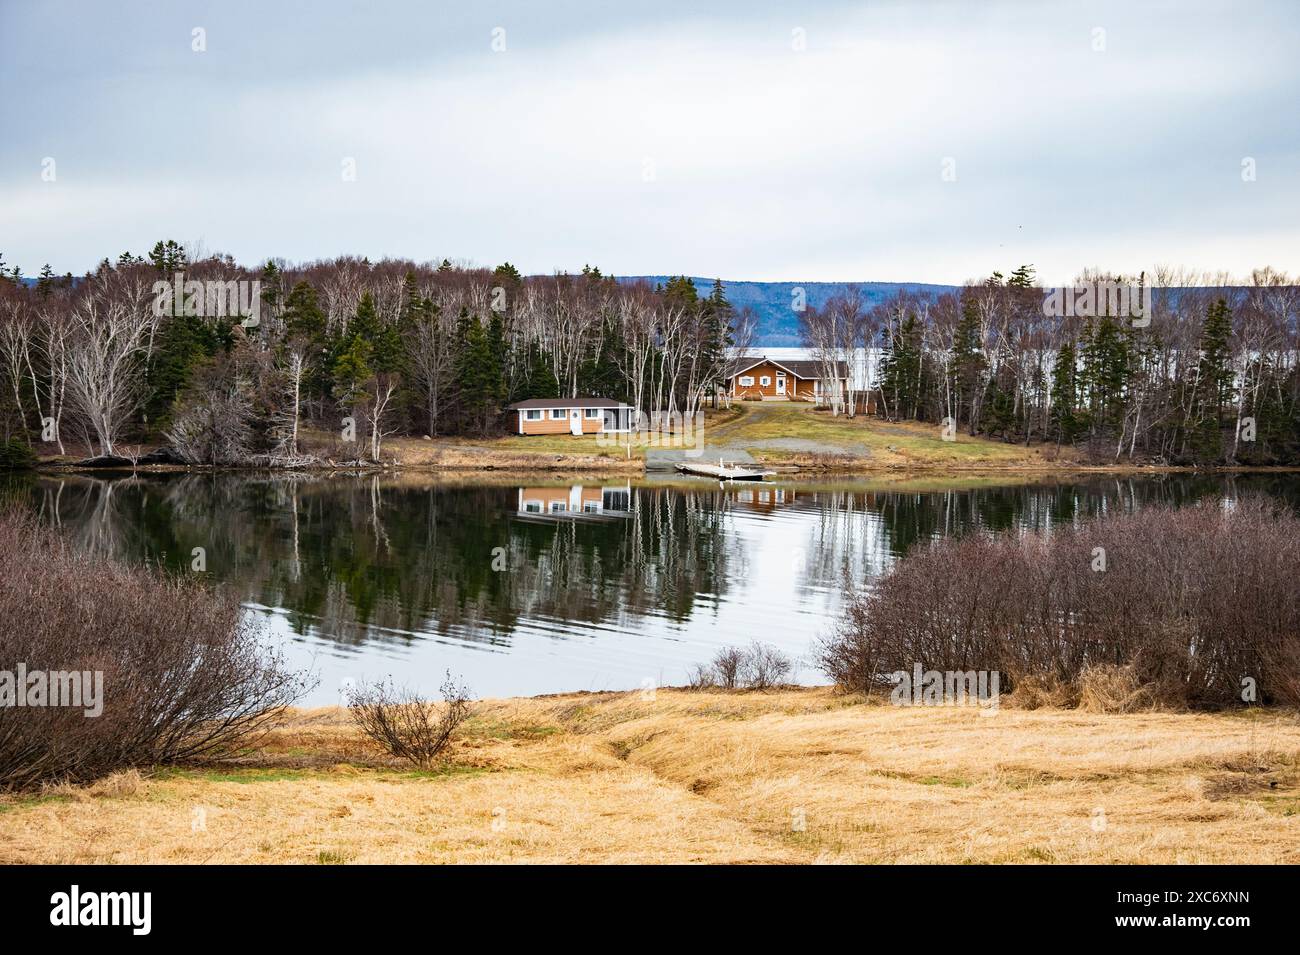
(763, 498)
(577, 502)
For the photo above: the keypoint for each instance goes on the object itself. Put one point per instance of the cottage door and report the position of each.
(575, 421)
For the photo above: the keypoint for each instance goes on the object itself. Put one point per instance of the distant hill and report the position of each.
(778, 323)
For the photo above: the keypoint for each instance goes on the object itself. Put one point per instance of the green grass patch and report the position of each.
(242, 776)
(505, 729)
(19, 803)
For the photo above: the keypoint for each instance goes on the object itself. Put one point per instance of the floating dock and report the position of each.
(721, 472)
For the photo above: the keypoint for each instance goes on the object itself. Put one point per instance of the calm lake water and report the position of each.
(549, 587)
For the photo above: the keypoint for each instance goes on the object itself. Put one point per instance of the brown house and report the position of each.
(766, 379)
(573, 416)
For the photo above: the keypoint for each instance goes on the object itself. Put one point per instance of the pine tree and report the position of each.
(476, 381)
(716, 333)
(540, 381)
(45, 281)
(1214, 381)
(968, 363)
(1065, 394)
(351, 370)
(168, 257)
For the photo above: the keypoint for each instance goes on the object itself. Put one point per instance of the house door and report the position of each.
(780, 384)
(575, 421)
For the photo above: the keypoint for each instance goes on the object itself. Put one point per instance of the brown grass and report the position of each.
(790, 776)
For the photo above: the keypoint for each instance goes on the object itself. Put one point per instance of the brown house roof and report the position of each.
(545, 403)
(800, 368)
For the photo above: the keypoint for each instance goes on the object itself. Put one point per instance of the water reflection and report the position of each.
(551, 586)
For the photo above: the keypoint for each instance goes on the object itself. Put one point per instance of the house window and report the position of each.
(559, 414)
(746, 380)
(591, 413)
(591, 507)
(765, 380)
(533, 414)
(533, 507)
(558, 507)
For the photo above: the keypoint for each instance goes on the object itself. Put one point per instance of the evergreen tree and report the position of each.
(968, 363)
(476, 373)
(168, 257)
(540, 380)
(45, 281)
(1213, 381)
(1065, 394)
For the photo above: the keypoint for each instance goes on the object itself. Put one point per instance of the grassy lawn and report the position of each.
(796, 775)
(887, 442)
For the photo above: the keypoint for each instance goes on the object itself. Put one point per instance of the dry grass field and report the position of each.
(792, 776)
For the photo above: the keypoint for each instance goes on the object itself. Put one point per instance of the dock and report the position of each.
(721, 472)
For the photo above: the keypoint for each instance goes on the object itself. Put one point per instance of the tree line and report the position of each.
(1208, 375)
(346, 347)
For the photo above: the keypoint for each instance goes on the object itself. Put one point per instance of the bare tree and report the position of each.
(109, 328)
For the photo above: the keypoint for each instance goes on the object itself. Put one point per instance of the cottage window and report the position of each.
(533, 507)
(533, 414)
(591, 413)
(746, 380)
(559, 414)
(765, 380)
(558, 507)
(591, 507)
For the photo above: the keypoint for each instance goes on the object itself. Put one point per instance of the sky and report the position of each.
(816, 141)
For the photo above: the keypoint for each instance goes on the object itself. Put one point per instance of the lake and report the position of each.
(542, 586)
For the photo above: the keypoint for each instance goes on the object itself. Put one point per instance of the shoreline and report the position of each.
(578, 465)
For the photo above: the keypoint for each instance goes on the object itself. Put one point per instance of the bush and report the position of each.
(16, 455)
(756, 667)
(184, 673)
(1190, 602)
(405, 724)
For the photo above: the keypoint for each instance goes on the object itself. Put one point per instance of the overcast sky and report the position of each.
(748, 140)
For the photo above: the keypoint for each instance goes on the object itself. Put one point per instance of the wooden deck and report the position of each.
(724, 473)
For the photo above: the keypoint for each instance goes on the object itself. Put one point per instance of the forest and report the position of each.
(1209, 377)
(352, 351)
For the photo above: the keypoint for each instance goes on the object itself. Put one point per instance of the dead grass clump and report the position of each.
(1038, 691)
(1114, 689)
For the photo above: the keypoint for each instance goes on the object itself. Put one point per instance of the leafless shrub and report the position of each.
(185, 674)
(764, 666)
(213, 423)
(726, 667)
(407, 725)
(756, 667)
(1191, 602)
